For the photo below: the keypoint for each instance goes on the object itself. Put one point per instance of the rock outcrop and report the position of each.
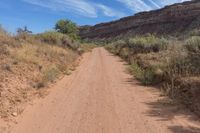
(177, 18)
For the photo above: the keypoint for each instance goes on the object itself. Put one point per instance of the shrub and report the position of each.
(146, 76)
(147, 44)
(52, 37)
(110, 47)
(51, 73)
(136, 45)
(67, 27)
(27, 53)
(56, 38)
(193, 48)
(115, 47)
(136, 71)
(124, 53)
(193, 44)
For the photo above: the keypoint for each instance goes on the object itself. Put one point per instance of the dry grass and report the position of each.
(27, 64)
(87, 47)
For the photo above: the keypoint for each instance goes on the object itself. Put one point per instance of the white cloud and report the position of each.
(81, 7)
(169, 2)
(109, 12)
(77, 6)
(154, 3)
(136, 5)
(142, 5)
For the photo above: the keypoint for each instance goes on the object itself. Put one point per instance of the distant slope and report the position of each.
(177, 18)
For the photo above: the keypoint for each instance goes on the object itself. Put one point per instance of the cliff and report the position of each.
(177, 18)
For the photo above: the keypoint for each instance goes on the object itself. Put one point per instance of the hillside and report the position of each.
(174, 19)
(28, 64)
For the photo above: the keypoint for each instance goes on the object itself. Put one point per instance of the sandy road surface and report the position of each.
(100, 97)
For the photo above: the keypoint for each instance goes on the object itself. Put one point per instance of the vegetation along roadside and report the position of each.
(170, 63)
(29, 62)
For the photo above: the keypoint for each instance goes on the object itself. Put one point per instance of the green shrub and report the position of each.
(52, 37)
(136, 45)
(136, 71)
(177, 67)
(116, 46)
(193, 48)
(147, 44)
(146, 76)
(110, 47)
(67, 27)
(193, 44)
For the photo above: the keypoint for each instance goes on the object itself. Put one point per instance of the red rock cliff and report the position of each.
(176, 18)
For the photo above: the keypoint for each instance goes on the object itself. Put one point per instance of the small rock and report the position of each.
(14, 114)
(6, 67)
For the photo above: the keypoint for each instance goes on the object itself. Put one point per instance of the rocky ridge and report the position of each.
(173, 19)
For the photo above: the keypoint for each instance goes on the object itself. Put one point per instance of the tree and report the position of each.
(67, 27)
(23, 30)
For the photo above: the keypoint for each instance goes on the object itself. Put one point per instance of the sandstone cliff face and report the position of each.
(176, 18)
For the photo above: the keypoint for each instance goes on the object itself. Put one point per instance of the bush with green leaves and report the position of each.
(147, 44)
(68, 27)
(193, 44)
(138, 44)
(146, 76)
(193, 49)
(51, 37)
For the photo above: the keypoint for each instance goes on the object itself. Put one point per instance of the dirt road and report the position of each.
(100, 97)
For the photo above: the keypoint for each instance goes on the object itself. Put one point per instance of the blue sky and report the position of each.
(41, 15)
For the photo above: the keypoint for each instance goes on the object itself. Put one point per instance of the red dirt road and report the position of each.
(100, 97)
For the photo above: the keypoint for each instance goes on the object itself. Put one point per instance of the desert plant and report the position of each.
(146, 76)
(50, 73)
(136, 71)
(147, 44)
(193, 48)
(52, 37)
(193, 44)
(67, 27)
(56, 38)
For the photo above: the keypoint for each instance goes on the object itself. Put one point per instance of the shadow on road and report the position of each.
(179, 129)
(166, 109)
